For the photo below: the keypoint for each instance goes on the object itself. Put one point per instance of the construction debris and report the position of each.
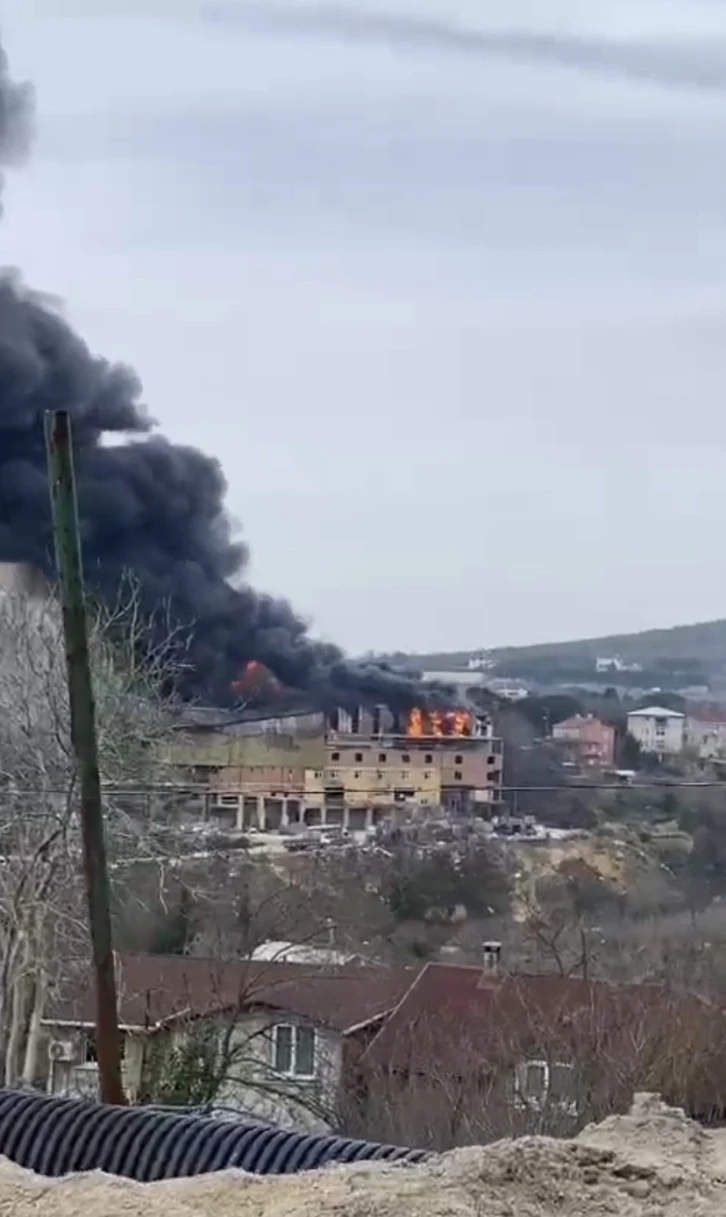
(652, 1161)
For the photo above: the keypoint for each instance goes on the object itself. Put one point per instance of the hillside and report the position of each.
(695, 652)
(704, 641)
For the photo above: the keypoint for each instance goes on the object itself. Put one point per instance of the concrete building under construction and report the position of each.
(306, 767)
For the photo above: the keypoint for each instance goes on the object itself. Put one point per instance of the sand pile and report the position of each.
(653, 1161)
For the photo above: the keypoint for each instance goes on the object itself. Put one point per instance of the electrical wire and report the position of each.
(206, 791)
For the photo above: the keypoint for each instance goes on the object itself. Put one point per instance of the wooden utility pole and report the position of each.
(83, 733)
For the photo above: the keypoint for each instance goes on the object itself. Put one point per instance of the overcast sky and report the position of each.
(441, 282)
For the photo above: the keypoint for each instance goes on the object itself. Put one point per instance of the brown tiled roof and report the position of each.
(154, 988)
(452, 1013)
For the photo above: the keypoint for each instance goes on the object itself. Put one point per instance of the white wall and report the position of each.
(662, 734)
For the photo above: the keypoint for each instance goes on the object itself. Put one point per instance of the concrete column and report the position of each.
(261, 824)
(346, 816)
(369, 817)
(241, 814)
(284, 816)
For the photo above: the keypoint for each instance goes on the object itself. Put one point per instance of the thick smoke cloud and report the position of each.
(151, 507)
(700, 68)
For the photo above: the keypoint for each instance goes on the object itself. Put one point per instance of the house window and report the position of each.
(88, 1053)
(457, 775)
(538, 1083)
(381, 758)
(357, 773)
(429, 759)
(405, 758)
(359, 757)
(335, 756)
(458, 760)
(293, 1050)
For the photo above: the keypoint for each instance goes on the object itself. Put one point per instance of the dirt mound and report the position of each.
(652, 1161)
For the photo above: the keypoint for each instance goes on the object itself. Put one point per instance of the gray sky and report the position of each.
(442, 283)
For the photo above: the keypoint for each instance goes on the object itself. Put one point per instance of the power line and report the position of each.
(268, 788)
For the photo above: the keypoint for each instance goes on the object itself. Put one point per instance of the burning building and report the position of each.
(347, 768)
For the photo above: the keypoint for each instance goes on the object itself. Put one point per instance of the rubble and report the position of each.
(652, 1161)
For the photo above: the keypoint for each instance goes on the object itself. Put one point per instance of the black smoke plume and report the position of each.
(150, 507)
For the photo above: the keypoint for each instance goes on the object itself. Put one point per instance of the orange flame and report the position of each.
(438, 723)
(254, 674)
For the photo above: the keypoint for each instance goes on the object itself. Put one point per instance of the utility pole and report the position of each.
(64, 506)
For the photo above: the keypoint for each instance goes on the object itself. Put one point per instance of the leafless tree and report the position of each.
(219, 1051)
(42, 916)
(546, 1067)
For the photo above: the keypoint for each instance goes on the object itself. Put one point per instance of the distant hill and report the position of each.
(705, 641)
(685, 654)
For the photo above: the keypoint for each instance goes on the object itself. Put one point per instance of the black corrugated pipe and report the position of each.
(54, 1137)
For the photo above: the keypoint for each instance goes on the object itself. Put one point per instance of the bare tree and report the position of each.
(219, 1053)
(538, 1062)
(42, 917)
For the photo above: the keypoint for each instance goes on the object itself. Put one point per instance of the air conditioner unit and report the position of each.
(61, 1050)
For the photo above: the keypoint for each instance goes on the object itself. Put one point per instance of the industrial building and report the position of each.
(306, 767)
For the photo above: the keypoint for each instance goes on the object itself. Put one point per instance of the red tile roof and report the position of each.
(451, 1010)
(155, 988)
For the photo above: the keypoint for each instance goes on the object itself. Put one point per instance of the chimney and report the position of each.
(491, 956)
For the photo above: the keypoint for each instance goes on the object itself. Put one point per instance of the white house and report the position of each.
(271, 1040)
(658, 729)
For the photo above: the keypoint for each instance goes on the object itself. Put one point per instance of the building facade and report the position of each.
(706, 732)
(344, 770)
(658, 730)
(280, 1034)
(585, 740)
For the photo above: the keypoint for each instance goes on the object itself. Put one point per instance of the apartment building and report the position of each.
(658, 729)
(585, 740)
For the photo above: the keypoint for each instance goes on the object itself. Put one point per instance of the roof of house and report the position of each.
(451, 1009)
(274, 951)
(655, 712)
(155, 988)
(580, 720)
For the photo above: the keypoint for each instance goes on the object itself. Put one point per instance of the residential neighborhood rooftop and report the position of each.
(153, 989)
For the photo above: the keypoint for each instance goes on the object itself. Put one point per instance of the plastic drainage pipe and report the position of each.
(53, 1137)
